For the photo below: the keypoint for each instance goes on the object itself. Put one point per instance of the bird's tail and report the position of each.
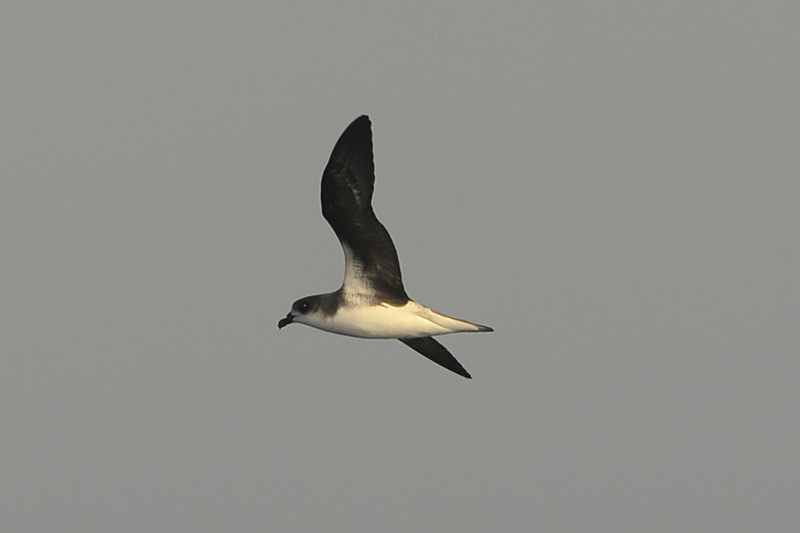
(454, 325)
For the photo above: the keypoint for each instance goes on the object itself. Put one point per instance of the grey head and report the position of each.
(318, 304)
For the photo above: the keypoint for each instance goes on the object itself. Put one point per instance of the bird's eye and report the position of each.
(304, 307)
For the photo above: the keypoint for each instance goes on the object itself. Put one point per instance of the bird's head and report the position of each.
(300, 312)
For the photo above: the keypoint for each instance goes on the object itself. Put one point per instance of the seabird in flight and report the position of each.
(372, 302)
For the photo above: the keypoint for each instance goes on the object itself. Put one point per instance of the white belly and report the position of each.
(385, 321)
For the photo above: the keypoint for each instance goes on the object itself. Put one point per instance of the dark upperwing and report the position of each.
(347, 185)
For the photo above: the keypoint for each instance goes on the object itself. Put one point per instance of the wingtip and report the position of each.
(362, 121)
(461, 372)
(484, 328)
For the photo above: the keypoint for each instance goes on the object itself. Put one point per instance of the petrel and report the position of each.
(372, 302)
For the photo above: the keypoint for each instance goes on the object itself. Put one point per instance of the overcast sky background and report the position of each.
(613, 186)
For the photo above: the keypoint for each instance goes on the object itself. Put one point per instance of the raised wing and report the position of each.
(371, 263)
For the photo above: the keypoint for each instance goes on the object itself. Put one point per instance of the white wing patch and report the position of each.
(354, 281)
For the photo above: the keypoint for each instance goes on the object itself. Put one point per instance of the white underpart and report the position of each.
(385, 321)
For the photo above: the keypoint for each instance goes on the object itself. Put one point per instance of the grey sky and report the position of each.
(613, 186)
